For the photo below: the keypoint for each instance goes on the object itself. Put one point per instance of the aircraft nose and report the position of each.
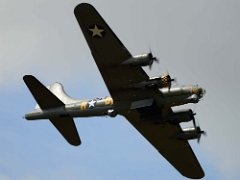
(198, 91)
(201, 92)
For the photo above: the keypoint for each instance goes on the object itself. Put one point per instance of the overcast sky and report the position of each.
(197, 41)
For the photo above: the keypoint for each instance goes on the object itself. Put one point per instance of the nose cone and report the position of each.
(204, 91)
(201, 92)
(198, 91)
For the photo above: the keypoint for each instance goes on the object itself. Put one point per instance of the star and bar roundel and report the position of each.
(96, 31)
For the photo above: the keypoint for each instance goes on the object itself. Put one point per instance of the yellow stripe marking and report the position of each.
(83, 106)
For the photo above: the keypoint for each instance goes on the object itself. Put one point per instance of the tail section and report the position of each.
(44, 98)
(58, 90)
(47, 100)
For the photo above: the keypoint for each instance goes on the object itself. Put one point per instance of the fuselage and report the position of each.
(174, 96)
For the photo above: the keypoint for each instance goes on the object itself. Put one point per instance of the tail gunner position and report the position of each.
(145, 102)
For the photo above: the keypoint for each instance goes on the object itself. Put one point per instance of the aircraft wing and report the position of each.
(163, 137)
(109, 52)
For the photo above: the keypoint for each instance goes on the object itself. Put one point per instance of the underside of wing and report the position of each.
(163, 137)
(109, 54)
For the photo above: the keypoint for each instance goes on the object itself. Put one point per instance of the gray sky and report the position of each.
(197, 42)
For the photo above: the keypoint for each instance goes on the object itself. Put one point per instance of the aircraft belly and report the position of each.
(97, 111)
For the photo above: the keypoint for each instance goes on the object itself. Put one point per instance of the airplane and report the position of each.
(146, 102)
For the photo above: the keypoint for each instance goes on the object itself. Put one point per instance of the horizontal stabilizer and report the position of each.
(47, 100)
(67, 128)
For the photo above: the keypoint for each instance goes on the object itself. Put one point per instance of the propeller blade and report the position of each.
(198, 140)
(150, 65)
(170, 81)
(194, 121)
(156, 60)
(152, 59)
(200, 133)
(204, 133)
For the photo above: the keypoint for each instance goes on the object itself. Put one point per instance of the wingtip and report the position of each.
(82, 6)
(195, 176)
(27, 76)
(76, 143)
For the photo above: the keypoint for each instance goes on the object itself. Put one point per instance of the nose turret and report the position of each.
(199, 91)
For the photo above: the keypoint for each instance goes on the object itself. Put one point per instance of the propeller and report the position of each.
(200, 132)
(152, 59)
(197, 127)
(170, 80)
(170, 83)
(193, 118)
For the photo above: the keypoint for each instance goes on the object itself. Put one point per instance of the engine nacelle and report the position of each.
(181, 116)
(162, 81)
(155, 82)
(190, 133)
(141, 60)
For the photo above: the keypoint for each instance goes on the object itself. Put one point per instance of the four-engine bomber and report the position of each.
(145, 102)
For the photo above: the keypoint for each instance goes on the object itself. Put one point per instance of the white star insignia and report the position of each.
(96, 31)
(91, 103)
